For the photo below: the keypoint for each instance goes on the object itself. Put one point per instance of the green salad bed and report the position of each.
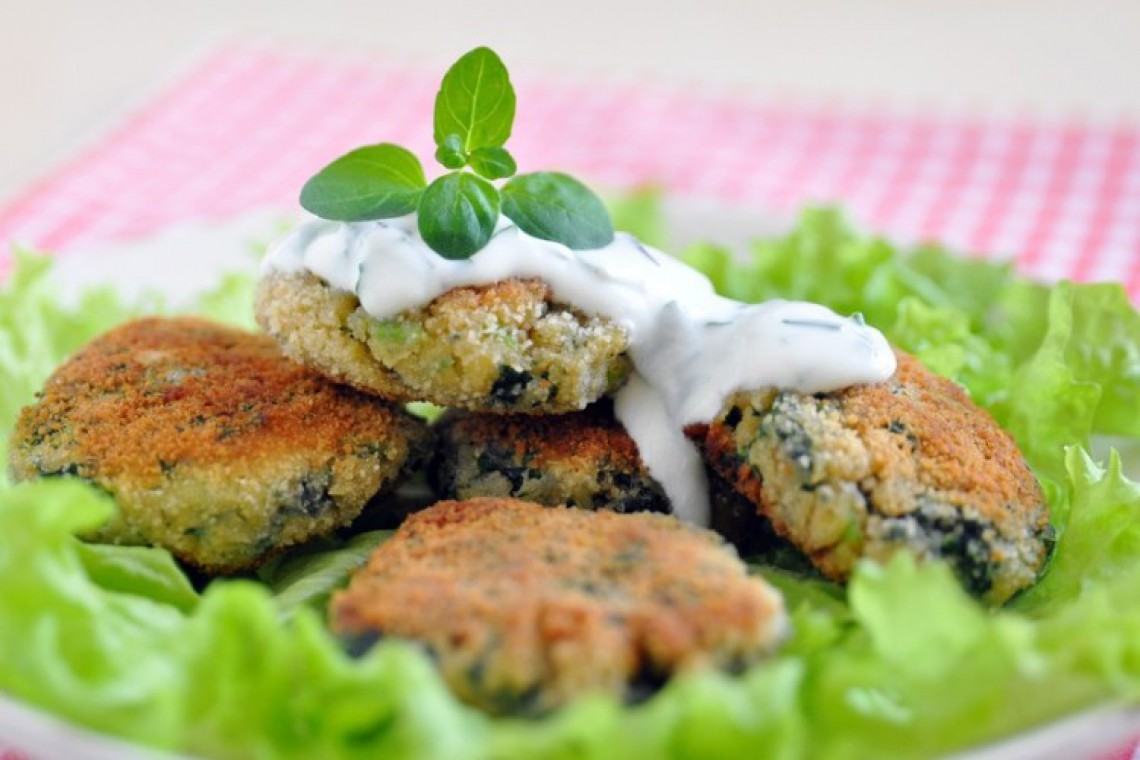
(902, 663)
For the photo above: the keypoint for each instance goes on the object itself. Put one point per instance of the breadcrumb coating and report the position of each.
(908, 464)
(213, 444)
(582, 459)
(525, 607)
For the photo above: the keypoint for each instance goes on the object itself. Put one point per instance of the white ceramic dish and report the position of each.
(191, 258)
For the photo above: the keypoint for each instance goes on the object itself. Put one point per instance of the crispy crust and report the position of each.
(213, 443)
(501, 348)
(583, 459)
(525, 607)
(910, 463)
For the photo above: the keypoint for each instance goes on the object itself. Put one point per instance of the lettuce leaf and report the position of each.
(926, 670)
(309, 575)
(139, 570)
(1099, 546)
(97, 656)
(900, 664)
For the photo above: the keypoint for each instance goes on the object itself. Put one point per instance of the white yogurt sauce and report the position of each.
(690, 347)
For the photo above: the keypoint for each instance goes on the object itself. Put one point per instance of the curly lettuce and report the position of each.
(901, 663)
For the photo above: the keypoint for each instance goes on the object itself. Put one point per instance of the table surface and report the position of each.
(69, 66)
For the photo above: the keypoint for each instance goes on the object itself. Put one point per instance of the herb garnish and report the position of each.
(474, 113)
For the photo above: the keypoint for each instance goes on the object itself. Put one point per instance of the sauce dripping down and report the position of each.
(690, 347)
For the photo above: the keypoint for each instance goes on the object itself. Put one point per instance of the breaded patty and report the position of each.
(504, 347)
(525, 607)
(736, 519)
(583, 459)
(214, 445)
(907, 464)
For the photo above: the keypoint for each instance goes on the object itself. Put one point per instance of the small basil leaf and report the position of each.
(475, 101)
(493, 163)
(457, 214)
(557, 207)
(451, 153)
(374, 182)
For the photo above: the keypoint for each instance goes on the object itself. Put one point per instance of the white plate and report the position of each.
(190, 259)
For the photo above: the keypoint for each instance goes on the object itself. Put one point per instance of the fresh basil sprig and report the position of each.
(457, 212)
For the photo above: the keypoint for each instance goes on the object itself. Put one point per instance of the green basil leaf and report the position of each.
(493, 163)
(557, 207)
(476, 101)
(451, 153)
(457, 214)
(373, 182)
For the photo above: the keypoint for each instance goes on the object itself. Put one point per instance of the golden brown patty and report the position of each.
(583, 459)
(525, 607)
(735, 517)
(907, 464)
(504, 347)
(214, 445)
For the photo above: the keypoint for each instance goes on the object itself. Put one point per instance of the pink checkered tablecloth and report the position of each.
(245, 126)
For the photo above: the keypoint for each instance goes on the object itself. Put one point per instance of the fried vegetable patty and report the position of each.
(583, 459)
(214, 445)
(908, 464)
(525, 607)
(504, 347)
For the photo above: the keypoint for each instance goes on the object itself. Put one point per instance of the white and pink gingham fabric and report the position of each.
(247, 125)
